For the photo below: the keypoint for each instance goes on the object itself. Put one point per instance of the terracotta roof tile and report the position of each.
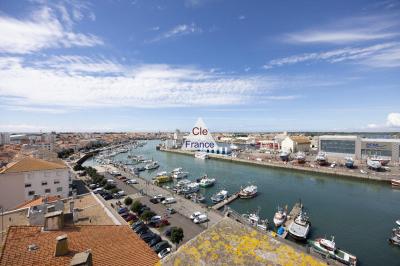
(110, 245)
(28, 164)
(301, 139)
(38, 201)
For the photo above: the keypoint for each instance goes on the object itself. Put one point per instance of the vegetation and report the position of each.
(177, 235)
(136, 206)
(114, 190)
(65, 153)
(146, 215)
(79, 167)
(109, 186)
(128, 201)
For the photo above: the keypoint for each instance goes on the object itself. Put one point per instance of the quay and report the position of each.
(226, 201)
(324, 170)
(290, 218)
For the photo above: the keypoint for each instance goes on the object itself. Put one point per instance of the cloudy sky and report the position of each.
(159, 65)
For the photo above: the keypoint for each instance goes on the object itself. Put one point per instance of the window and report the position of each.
(56, 181)
(31, 193)
(59, 189)
(339, 146)
(47, 190)
(44, 183)
(28, 185)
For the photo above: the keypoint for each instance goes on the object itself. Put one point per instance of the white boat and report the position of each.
(162, 173)
(395, 183)
(205, 181)
(321, 158)
(190, 188)
(253, 219)
(300, 157)
(152, 165)
(280, 217)
(328, 248)
(179, 169)
(220, 196)
(384, 161)
(374, 165)
(300, 227)
(284, 155)
(248, 192)
(201, 155)
(179, 175)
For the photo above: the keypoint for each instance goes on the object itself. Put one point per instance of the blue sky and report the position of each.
(159, 65)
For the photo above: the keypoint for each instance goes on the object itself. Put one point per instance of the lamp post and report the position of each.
(2, 222)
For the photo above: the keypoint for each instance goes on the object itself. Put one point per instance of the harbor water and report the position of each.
(359, 214)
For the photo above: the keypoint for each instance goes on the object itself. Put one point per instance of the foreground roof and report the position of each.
(109, 244)
(28, 164)
(35, 202)
(231, 243)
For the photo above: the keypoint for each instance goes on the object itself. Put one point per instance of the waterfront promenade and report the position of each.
(282, 165)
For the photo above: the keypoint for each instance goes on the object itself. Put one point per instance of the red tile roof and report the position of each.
(38, 201)
(110, 245)
(28, 164)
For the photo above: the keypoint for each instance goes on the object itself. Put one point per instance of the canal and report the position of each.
(359, 214)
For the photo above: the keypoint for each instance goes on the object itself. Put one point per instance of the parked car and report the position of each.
(160, 223)
(122, 210)
(146, 235)
(97, 190)
(195, 215)
(161, 246)
(131, 217)
(131, 181)
(137, 224)
(155, 240)
(124, 215)
(144, 231)
(107, 196)
(140, 228)
(169, 231)
(155, 218)
(93, 186)
(200, 219)
(123, 178)
(164, 252)
(171, 210)
(119, 194)
(169, 201)
(143, 209)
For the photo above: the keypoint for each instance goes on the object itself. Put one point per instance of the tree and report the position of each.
(114, 190)
(136, 206)
(79, 167)
(128, 201)
(146, 216)
(109, 186)
(176, 235)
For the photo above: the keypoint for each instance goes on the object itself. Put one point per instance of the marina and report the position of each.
(354, 200)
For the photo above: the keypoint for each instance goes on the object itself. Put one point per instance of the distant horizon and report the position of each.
(157, 65)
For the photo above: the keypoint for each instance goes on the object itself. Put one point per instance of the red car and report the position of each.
(131, 217)
(161, 222)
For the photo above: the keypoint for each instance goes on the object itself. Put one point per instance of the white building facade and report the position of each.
(30, 178)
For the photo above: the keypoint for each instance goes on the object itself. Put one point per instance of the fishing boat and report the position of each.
(349, 162)
(300, 157)
(220, 196)
(300, 227)
(162, 173)
(179, 175)
(152, 165)
(201, 155)
(253, 219)
(280, 217)
(321, 158)
(179, 169)
(205, 181)
(374, 165)
(395, 238)
(284, 155)
(395, 183)
(328, 248)
(384, 161)
(198, 198)
(190, 188)
(248, 192)
(162, 179)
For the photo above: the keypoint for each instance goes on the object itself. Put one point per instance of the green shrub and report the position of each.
(146, 215)
(177, 235)
(136, 206)
(128, 201)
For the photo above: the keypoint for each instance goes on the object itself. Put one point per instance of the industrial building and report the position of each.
(359, 148)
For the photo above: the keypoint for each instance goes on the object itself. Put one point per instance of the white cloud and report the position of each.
(241, 17)
(42, 30)
(68, 85)
(355, 29)
(372, 126)
(179, 30)
(379, 55)
(393, 120)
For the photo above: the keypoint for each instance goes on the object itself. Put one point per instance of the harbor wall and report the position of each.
(326, 170)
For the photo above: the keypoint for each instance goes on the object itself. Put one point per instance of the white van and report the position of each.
(168, 201)
(200, 219)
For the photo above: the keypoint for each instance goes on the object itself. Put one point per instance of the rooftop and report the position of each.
(231, 243)
(29, 164)
(106, 242)
(301, 139)
(38, 201)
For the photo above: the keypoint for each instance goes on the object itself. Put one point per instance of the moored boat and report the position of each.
(395, 183)
(248, 192)
(328, 248)
(220, 196)
(162, 179)
(253, 219)
(190, 188)
(349, 162)
(205, 181)
(374, 165)
(201, 155)
(280, 217)
(300, 157)
(395, 238)
(179, 174)
(152, 165)
(300, 227)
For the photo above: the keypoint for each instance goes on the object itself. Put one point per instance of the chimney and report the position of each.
(82, 259)
(61, 246)
(53, 221)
